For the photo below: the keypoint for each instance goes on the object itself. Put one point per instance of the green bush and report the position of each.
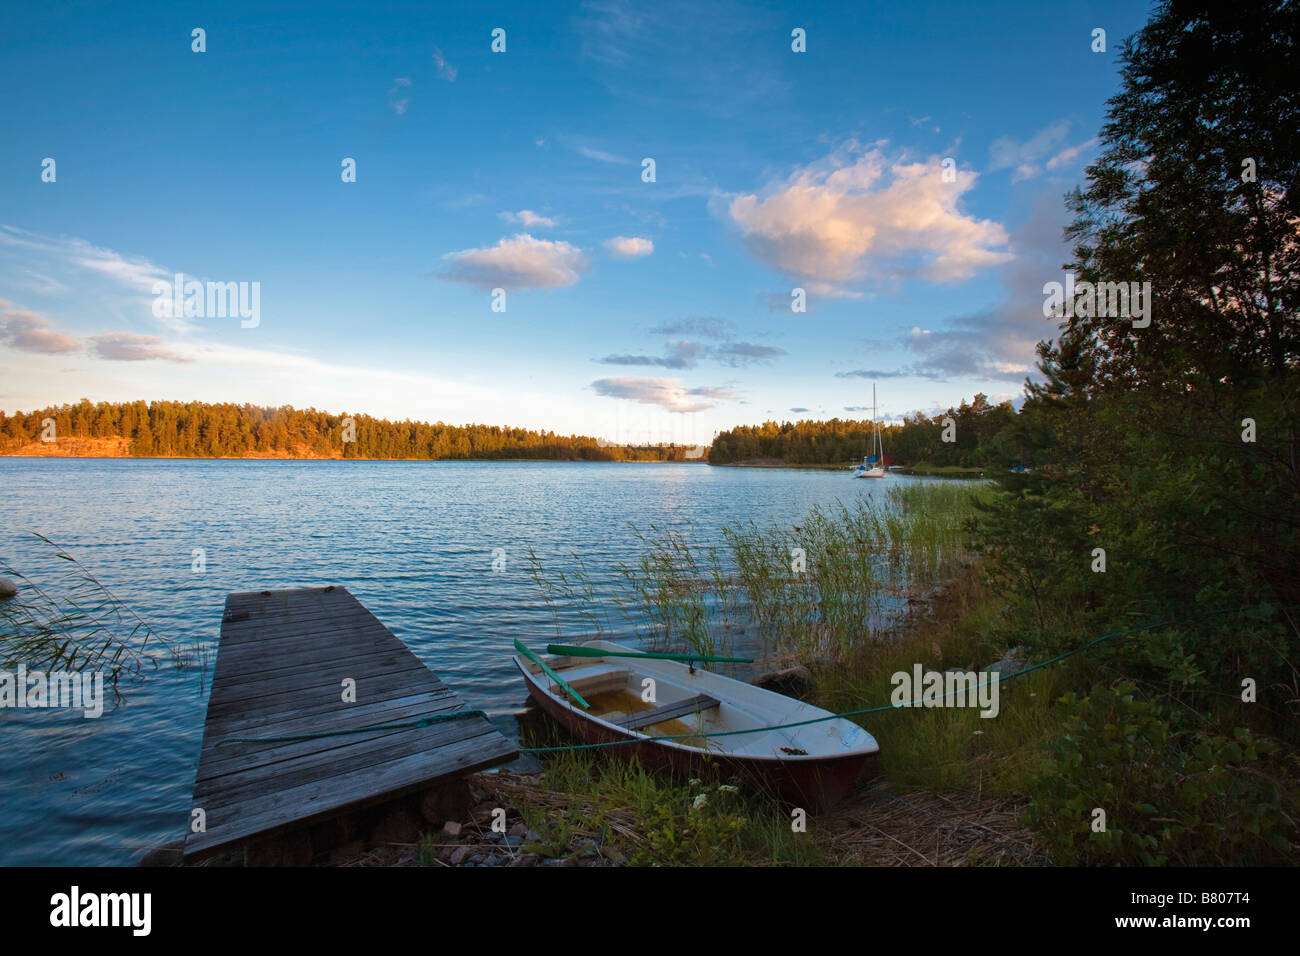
(1170, 797)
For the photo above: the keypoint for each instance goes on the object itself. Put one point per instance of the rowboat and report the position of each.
(810, 766)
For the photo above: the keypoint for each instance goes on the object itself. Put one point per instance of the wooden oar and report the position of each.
(550, 673)
(574, 650)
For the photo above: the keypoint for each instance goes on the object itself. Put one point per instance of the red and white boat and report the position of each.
(810, 766)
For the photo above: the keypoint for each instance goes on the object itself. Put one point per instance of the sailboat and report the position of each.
(873, 467)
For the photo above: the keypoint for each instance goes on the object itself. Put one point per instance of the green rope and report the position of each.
(458, 715)
(865, 710)
(404, 725)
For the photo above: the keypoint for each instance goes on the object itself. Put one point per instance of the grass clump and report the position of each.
(609, 804)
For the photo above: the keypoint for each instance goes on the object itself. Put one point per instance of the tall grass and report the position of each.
(76, 624)
(814, 590)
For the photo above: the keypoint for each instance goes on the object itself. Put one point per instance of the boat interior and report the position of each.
(614, 690)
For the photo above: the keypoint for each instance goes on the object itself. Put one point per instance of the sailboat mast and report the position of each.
(875, 428)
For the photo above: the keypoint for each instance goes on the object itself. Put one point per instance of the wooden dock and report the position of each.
(281, 668)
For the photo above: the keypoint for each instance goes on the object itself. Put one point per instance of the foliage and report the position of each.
(919, 439)
(201, 430)
(1170, 797)
(860, 564)
(76, 624)
(654, 819)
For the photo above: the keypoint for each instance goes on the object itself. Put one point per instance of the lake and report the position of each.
(414, 541)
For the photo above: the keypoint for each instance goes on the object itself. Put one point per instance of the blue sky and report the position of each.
(632, 309)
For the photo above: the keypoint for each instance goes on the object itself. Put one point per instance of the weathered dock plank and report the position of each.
(283, 658)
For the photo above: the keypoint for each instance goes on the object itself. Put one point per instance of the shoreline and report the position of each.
(547, 461)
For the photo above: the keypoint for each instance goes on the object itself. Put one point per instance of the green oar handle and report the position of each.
(574, 650)
(550, 673)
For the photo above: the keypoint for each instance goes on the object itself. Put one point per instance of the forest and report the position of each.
(225, 430)
(978, 436)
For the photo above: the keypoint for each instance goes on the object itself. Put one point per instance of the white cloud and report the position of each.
(858, 216)
(445, 69)
(629, 247)
(127, 347)
(601, 155)
(1006, 153)
(396, 101)
(1070, 153)
(527, 218)
(29, 332)
(667, 393)
(998, 344)
(519, 262)
(137, 273)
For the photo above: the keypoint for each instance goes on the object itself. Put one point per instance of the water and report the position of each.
(414, 541)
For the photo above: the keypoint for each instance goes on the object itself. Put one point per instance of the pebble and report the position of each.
(460, 855)
(8, 588)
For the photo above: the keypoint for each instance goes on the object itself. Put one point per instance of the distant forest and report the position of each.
(200, 430)
(980, 437)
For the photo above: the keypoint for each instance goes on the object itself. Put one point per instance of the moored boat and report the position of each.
(810, 766)
(871, 464)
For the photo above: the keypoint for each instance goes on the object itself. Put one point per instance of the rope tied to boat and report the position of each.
(462, 714)
(869, 710)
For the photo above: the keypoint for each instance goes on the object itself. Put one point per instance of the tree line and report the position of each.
(224, 430)
(974, 434)
(1164, 507)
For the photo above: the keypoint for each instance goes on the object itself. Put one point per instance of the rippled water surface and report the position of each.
(414, 542)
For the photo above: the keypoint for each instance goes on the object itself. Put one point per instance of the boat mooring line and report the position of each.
(458, 715)
(866, 710)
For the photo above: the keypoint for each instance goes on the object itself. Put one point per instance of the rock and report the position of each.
(451, 830)
(338, 831)
(532, 836)
(8, 588)
(169, 854)
(1015, 659)
(495, 861)
(519, 829)
(791, 681)
(527, 859)
(460, 855)
(512, 841)
(476, 857)
(292, 849)
(399, 826)
(449, 800)
(348, 851)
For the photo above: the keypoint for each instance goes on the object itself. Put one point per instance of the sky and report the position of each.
(502, 254)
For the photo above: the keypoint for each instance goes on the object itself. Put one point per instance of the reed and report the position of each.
(77, 624)
(814, 591)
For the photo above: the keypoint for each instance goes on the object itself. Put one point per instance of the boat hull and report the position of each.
(813, 784)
